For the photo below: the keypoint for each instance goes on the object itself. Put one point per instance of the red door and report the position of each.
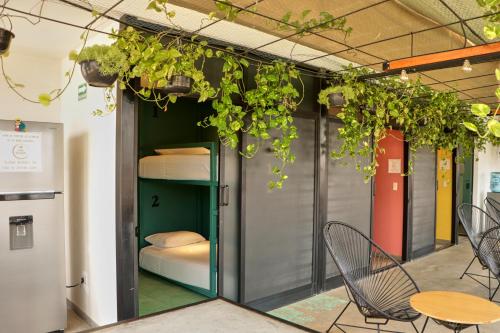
(389, 195)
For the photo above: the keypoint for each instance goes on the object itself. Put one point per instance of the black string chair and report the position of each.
(475, 222)
(489, 255)
(375, 281)
(493, 208)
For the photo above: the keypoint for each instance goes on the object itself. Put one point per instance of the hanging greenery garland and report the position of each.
(427, 118)
(169, 66)
(491, 31)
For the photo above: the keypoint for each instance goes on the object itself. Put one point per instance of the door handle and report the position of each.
(224, 195)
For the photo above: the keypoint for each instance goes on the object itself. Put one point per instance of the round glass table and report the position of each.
(455, 310)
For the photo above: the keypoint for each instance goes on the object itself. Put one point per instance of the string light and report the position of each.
(404, 76)
(466, 67)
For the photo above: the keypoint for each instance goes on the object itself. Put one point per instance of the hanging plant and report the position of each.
(491, 31)
(178, 84)
(267, 114)
(5, 40)
(101, 64)
(427, 118)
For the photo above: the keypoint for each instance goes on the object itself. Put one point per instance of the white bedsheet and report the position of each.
(175, 167)
(189, 264)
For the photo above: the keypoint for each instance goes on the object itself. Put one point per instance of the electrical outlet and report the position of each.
(85, 281)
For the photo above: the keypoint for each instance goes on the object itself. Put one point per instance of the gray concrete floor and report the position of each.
(438, 271)
(75, 323)
(216, 316)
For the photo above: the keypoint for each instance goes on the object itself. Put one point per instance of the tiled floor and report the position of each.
(157, 294)
(75, 323)
(438, 271)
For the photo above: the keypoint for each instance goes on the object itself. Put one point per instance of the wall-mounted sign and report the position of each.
(82, 91)
(20, 152)
(394, 165)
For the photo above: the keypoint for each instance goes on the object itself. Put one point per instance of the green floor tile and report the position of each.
(157, 294)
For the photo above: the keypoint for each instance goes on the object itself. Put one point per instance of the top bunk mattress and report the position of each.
(175, 167)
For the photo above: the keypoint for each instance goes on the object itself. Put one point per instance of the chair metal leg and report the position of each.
(425, 324)
(470, 264)
(495, 292)
(378, 328)
(414, 327)
(338, 317)
(489, 285)
(477, 328)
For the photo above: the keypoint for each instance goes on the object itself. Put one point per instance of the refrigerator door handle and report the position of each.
(36, 195)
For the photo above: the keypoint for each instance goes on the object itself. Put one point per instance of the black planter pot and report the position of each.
(178, 84)
(5, 39)
(336, 99)
(91, 74)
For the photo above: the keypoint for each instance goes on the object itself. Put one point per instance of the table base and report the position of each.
(452, 326)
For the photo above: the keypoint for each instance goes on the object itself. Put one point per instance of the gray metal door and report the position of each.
(229, 223)
(422, 203)
(277, 226)
(349, 196)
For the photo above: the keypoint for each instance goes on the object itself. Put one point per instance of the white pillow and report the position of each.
(184, 151)
(174, 239)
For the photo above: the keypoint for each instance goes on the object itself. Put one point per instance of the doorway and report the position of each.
(388, 210)
(444, 199)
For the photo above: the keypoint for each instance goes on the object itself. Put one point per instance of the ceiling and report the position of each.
(382, 30)
(43, 36)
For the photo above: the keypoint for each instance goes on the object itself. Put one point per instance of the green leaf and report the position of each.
(497, 92)
(172, 98)
(161, 83)
(44, 99)
(73, 55)
(245, 63)
(152, 5)
(480, 110)
(470, 126)
(494, 127)
(491, 31)
(305, 13)
(497, 74)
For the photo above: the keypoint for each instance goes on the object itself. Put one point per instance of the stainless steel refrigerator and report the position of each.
(32, 269)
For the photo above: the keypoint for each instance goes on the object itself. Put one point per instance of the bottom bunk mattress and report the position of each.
(188, 264)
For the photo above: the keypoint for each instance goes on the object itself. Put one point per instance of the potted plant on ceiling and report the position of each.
(101, 65)
(5, 37)
(179, 71)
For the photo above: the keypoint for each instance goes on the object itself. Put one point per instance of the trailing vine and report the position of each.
(265, 111)
(303, 25)
(426, 117)
(491, 31)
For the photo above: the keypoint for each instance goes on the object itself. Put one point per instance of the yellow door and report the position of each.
(444, 195)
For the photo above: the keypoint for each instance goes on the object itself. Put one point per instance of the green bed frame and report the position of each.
(211, 210)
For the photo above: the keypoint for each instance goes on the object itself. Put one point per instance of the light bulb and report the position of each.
(466, 67)
(404, 76)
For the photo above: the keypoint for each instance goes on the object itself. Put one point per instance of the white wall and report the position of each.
(40, 74)
(90, 199)
(485, 163)
(89, 170)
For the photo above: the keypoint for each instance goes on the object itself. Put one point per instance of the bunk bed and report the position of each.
(193, 266)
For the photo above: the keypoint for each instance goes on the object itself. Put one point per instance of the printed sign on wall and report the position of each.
(20, 152)
(394, 165)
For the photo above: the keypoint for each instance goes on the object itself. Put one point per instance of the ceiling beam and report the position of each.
(438, 60)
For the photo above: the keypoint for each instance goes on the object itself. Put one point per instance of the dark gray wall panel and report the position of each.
(423, 202)
(349, 197)
(278, 226)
